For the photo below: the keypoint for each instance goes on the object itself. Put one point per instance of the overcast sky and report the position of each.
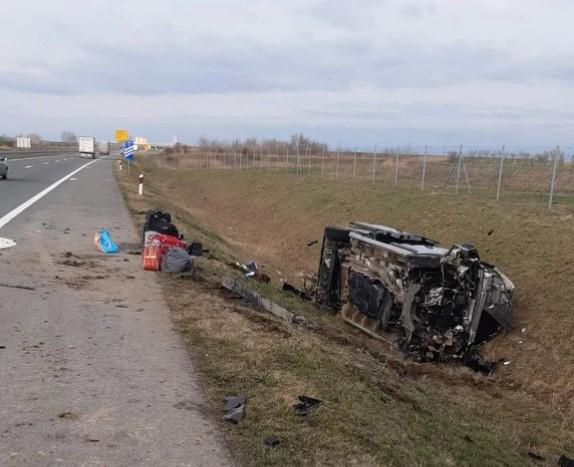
(361, 72)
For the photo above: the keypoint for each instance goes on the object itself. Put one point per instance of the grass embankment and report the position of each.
(379, 409)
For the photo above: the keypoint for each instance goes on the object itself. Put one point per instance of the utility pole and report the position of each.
(354, 164)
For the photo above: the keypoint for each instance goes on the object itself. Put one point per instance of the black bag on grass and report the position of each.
(160, 222)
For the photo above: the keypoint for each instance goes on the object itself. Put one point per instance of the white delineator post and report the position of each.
(140, 185)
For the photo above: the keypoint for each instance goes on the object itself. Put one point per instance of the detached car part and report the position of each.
(441, 301)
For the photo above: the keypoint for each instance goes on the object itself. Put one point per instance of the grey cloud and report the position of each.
(243, 66)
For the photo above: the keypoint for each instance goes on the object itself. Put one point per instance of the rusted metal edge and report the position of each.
(257, 300)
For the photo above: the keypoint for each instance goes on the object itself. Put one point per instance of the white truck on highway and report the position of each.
(104, 148)
(87, 145)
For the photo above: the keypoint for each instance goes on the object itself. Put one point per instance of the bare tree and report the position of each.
(69, 137)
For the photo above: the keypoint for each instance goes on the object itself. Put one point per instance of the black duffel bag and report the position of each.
(160, 222)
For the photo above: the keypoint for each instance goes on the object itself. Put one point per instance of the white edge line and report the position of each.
(20, 209)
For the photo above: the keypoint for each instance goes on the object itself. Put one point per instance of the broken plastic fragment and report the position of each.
(306, 405)
(271, 440)
(234, 407)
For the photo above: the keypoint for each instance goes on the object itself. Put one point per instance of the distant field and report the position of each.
(521, 179)
(270, 217)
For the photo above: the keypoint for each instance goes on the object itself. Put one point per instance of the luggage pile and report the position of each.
(164, 248)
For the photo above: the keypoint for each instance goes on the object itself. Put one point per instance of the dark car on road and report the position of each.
(3, 167)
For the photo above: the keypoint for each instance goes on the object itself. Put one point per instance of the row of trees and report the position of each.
(297, 144)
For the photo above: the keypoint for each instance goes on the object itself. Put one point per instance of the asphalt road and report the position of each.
(29, 176)
(91, 371)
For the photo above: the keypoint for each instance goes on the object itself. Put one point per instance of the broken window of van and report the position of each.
(436, 303)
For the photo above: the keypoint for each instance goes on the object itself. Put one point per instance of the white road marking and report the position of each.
(20, 209)
(73, 179)
(28, 166)
(6, 243)
(57, 160)
(46, 163)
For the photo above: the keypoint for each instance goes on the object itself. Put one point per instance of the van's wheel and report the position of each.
(5, 176)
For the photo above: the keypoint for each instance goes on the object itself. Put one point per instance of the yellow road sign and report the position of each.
(121, 136)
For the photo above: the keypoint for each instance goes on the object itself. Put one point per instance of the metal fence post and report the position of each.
(397, 162)
(309, 162)
(337, 166)
(500, 174)
(374, 164)
(458, 168)
(424, 174)
(323, 160)
(354, 164)
(287, 159)
(553, 182)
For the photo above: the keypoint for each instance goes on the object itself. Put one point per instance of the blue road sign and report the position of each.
(128, 150)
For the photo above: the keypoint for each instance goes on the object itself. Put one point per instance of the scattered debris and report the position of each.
(257, 300)
(2, 347)
(306, 405)
(271, 440)
(104, 242)
(490, 232)
(287, 287)
(234, 407)
(196, 249)
(535, 456)
(164, 248)
(441, 302)
(478, 363)
(565, 461)
(15, 286)
(6, 243)
(67, 415)
(313, 242)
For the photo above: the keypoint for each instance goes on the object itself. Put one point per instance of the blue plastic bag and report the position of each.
(104, 242)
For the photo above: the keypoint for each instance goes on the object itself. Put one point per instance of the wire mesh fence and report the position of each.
(544, 175)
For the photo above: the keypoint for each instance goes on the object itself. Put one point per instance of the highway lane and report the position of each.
(27, 177)
(91, 370)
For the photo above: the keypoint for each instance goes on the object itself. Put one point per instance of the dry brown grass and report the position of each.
(380, 409)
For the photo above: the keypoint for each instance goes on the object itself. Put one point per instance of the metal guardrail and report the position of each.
(15, 154)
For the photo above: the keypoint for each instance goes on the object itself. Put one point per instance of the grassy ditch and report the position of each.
(379, 409)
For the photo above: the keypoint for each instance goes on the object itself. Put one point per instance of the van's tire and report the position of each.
(337, 234)
(5, 176)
